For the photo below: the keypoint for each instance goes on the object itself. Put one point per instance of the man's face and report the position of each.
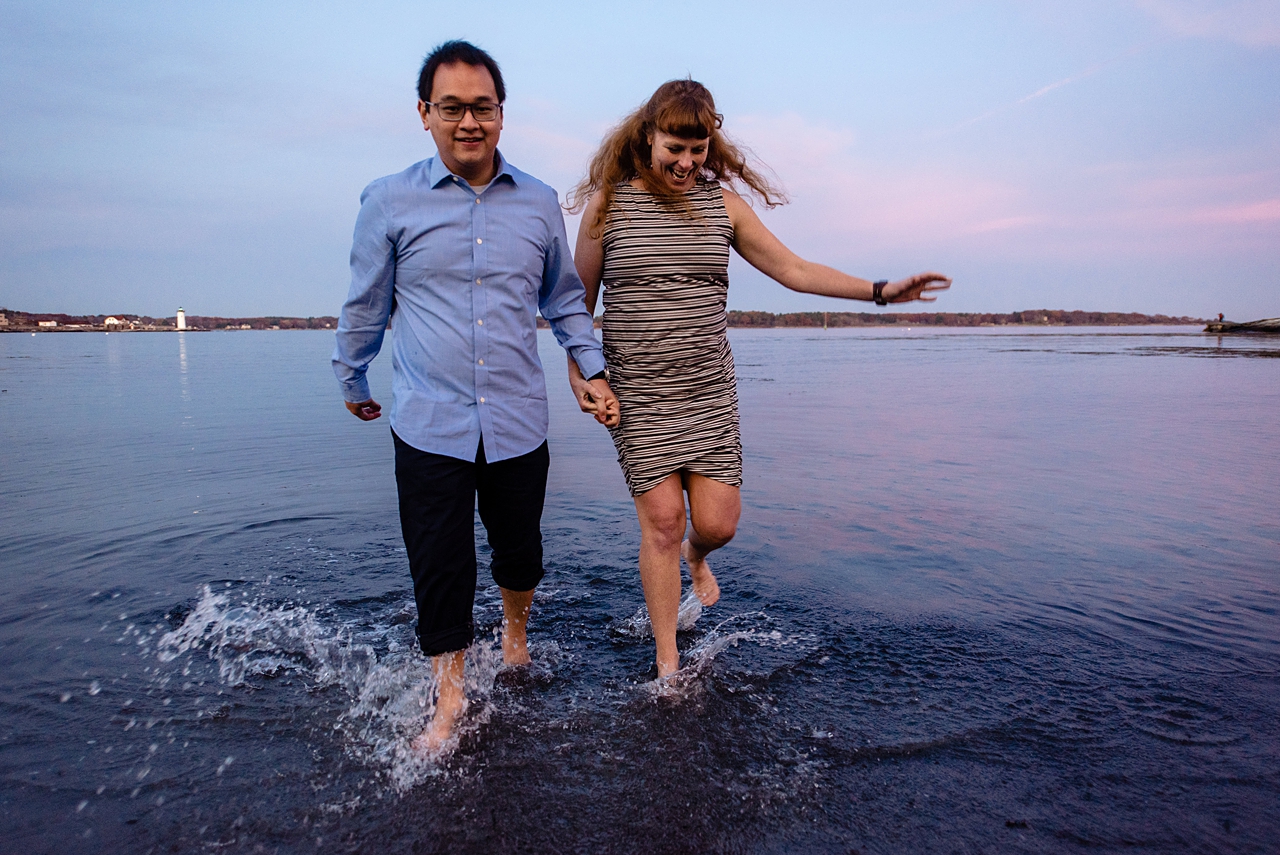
(465, 145)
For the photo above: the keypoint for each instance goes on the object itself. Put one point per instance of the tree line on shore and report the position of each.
(1037, 317)
(13, 320)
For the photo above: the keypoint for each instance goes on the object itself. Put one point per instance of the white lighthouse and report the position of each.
(182, 319)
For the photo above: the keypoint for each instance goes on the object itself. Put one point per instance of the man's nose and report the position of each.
(468, 119)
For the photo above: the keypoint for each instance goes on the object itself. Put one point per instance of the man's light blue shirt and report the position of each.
(461, 275)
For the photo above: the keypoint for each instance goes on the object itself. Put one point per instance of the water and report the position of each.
(1009, 590)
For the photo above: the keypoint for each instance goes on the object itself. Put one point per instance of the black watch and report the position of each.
(877, 292)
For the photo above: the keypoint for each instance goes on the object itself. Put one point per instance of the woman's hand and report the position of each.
(594, 397)
(918, 287)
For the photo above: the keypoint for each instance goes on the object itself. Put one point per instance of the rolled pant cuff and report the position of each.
(519, 582)
(447, 641)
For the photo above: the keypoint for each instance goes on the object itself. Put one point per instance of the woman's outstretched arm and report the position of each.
(763, 251)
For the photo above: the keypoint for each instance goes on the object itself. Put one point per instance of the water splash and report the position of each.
(638, 626)
(391, 694)
(248, 639)
(753, 627)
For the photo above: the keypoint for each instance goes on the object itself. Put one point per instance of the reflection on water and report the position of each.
(994, 590)
(182, 367)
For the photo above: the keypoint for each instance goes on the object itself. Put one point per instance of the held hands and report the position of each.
(365, 411)
(595, 397)
(918, 287)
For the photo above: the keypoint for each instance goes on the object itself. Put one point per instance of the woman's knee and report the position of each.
(664, 525)
(716, 532)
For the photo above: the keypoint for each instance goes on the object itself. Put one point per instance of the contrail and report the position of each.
(1045, 90)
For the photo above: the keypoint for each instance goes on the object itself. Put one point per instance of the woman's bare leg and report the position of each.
(714, 509)
(662, 522)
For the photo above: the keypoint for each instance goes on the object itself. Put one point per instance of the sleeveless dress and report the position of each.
(666, 280)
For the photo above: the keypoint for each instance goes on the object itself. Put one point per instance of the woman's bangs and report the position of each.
(687, 118)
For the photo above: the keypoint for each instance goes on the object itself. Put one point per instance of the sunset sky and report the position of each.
(1117, 156)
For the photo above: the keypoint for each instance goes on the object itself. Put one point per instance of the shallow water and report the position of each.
(995, 589)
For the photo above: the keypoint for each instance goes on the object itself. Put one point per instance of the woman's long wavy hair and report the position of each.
(682, 108)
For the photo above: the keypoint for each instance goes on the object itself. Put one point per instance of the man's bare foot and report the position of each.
(704, 581)
(451, 703)
(515, 647)
(515, 617)
(439, 730)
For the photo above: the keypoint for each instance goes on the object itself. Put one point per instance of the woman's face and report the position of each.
(678, 160)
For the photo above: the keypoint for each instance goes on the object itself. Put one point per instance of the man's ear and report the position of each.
(425, 112)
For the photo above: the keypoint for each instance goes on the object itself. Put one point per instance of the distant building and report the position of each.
(113, 322)
(4, 321)
(182, 319)
(46, 323)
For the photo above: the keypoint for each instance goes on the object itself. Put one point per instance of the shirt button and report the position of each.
(482, 400)
(482, 362)
(481, 323)
(477, 201)
(477, 281)
(478, 240)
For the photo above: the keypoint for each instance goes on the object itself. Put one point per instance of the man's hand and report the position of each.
(917, 287)
(608, 410)
(595, 397)
(365, 411)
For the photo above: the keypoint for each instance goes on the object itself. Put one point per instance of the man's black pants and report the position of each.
(437, 517)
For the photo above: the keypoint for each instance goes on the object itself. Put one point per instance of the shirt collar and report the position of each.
(440, 173)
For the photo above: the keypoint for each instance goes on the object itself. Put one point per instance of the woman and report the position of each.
(656, 232)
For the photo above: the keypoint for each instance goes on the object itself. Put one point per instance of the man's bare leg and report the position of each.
(451, 701)
(662, 522)
(515, 616)
(714, 509)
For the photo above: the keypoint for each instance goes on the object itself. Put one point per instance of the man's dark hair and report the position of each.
(458, 51)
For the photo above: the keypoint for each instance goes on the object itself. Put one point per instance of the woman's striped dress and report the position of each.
(666, 279)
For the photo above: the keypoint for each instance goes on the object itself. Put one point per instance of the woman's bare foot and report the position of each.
(704, 581)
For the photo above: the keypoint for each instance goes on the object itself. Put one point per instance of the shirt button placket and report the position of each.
(479, 304)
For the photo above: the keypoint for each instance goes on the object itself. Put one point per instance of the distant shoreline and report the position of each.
(28, 322)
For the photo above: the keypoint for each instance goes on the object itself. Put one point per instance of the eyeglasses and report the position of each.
(452, 112)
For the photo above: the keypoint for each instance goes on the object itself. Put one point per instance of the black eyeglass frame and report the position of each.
(463, 108)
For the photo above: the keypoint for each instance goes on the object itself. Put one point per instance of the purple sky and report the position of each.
(1079, 155)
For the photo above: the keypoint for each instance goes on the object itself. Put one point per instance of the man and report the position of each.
(460, 251)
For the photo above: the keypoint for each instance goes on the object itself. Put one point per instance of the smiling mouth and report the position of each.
(679, 176)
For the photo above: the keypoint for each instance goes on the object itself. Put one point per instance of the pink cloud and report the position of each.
(844, 203)
(838, 194)
(1267, 211)
(1250, 22)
